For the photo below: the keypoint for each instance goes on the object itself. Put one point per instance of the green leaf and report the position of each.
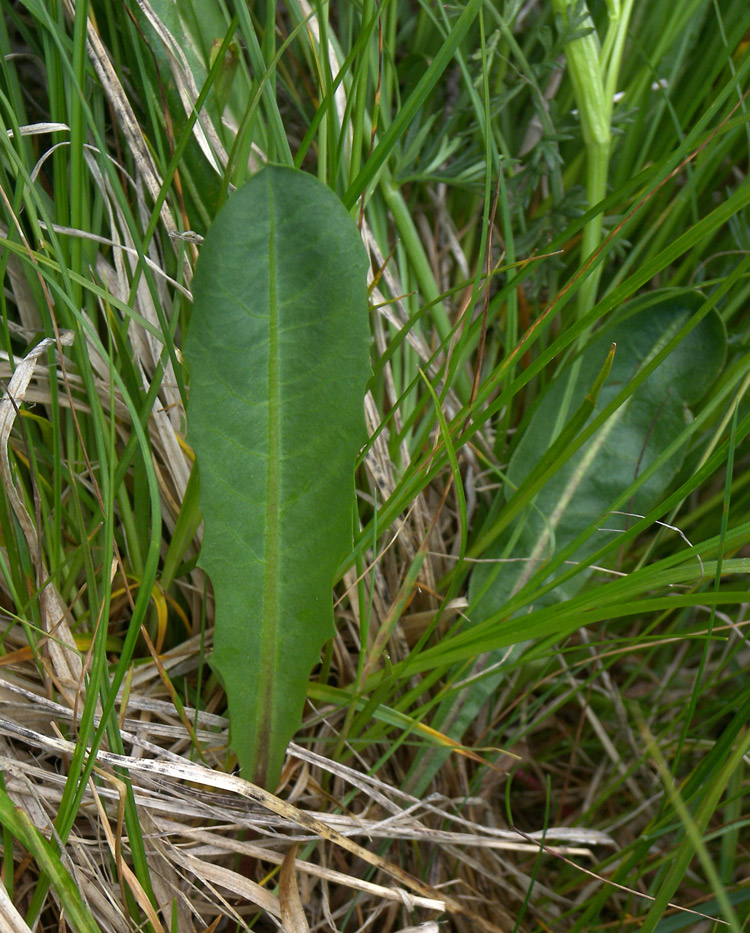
(279, 357)
(616, 456)
(557, 486)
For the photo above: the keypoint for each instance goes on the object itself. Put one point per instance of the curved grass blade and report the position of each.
(49, 860)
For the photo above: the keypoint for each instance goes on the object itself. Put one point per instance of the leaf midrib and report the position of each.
(272, 531)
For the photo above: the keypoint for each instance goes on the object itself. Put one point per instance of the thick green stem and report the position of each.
(595, 111)
(593, 74)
